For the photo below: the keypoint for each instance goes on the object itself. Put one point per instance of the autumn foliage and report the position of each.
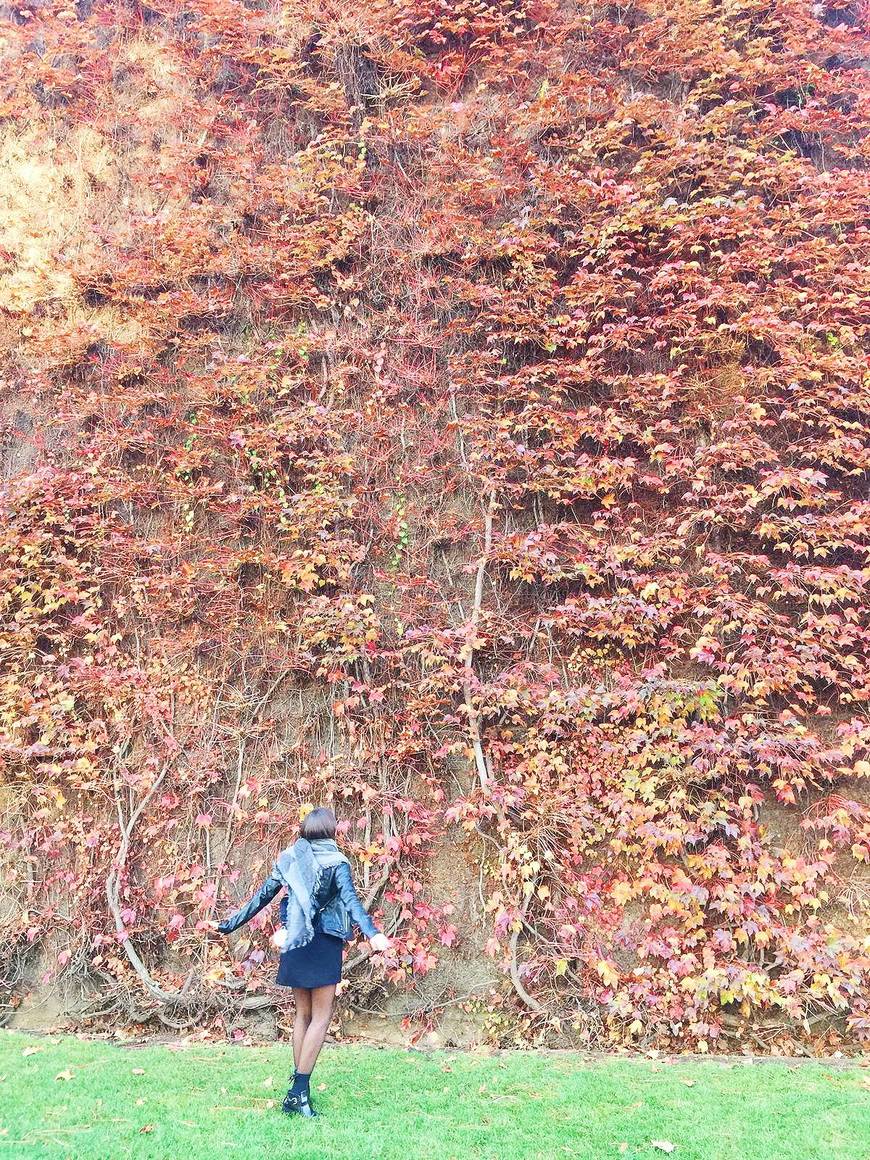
(455, 411)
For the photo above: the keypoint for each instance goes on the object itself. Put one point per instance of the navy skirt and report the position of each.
(318, 964)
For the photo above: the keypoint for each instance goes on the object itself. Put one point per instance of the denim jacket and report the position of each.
(337, 905)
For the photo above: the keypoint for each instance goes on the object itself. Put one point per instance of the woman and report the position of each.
(317, 916)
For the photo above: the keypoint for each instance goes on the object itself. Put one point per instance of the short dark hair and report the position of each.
(319, 823)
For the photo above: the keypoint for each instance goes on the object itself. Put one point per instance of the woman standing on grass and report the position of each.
(317, 915)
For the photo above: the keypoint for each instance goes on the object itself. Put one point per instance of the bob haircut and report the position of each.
(320, 823)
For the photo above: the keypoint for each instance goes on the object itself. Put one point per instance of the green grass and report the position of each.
(217, 1101)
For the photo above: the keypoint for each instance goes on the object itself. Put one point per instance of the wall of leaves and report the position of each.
(455, 412)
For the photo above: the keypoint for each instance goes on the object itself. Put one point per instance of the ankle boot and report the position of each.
(298, 1104)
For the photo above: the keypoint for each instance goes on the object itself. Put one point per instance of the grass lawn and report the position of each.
(65, 1097)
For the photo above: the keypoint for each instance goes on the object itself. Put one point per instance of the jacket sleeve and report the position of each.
(349, 897)
(262, 898)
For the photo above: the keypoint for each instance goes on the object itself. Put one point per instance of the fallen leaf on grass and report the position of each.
(66, 1074)
(663, 1145)
(271, 1104)
(689, 1082)
(31, 1050)
(138, 1071)
(269, 1081)
(145, 1129)
(321, 1087)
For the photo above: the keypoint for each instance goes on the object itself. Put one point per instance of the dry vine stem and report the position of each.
(113, 883)
(472, 711)
(529, 1001)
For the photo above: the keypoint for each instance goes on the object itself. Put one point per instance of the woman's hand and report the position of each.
(278, 939)
(379, 942)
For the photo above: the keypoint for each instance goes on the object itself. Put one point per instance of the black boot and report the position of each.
(298, 1104)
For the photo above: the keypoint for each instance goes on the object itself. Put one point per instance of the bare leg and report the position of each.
(322, 999)
(302, 995)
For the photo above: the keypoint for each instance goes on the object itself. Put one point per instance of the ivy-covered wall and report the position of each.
(455, 412)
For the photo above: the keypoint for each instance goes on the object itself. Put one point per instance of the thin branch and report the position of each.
(113, 895)
(531, 1003)
(480, 761)
(240, 765)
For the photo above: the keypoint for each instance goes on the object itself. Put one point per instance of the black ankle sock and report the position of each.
(300, 1083)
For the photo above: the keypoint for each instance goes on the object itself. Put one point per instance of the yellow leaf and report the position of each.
(622, 892)
(608, 975)
(561, 966)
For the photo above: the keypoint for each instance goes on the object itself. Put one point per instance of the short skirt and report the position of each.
(317, 964)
